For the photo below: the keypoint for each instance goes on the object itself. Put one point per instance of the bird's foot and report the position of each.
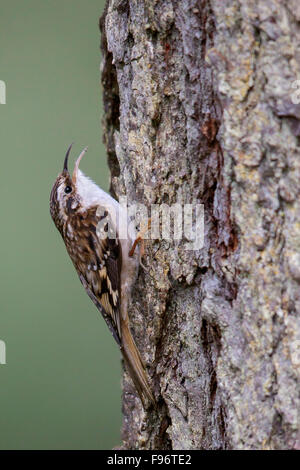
(140, 240)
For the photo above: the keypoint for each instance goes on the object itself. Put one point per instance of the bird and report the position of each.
(102, 246)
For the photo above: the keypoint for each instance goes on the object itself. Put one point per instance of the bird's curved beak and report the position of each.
(76, 167)
(65, 169)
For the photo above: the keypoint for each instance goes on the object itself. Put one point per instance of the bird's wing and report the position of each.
(98, 263)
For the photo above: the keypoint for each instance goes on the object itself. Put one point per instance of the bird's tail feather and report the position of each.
(135, 366)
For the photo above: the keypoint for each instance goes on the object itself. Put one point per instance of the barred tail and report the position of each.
(135, 365)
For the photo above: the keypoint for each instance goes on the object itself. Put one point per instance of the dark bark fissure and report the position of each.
(111, 102)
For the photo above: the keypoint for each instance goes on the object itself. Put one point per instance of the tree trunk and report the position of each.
(197, 98)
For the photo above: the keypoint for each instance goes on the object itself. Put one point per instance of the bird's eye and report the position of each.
(68, 189)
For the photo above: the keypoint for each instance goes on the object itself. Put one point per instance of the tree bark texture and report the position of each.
(197, 98)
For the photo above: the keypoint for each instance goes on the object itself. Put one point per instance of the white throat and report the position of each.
(91, 194)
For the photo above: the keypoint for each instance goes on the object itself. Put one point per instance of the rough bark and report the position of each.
(197, 98)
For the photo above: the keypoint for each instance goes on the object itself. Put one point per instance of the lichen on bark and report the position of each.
(197, 99)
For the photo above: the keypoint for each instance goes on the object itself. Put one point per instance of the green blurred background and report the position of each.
(60, 388)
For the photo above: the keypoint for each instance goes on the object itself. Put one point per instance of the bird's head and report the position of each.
(65, 198)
